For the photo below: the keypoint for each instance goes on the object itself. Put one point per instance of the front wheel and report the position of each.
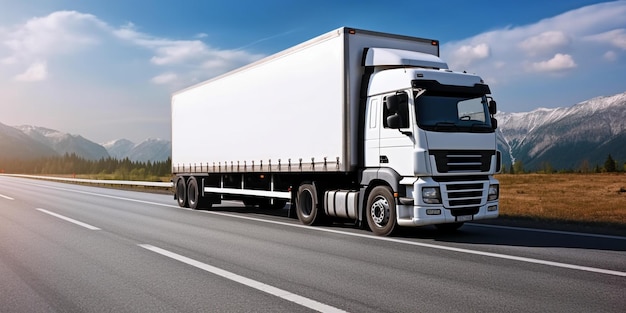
(381, 211)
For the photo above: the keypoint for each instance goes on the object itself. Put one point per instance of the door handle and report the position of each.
(384, 159)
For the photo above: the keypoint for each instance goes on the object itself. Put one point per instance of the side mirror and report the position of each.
(493, 109)
(394, 121)
(396, 102)
(397, 110)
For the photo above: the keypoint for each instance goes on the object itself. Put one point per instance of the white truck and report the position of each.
(352, 125)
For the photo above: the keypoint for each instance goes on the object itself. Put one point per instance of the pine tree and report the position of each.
(609, 164)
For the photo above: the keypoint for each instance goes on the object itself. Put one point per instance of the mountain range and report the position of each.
(579, 137)
(573, 138)
(149, 149)
(25, 142)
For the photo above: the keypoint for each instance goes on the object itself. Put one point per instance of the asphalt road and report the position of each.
(71, 248)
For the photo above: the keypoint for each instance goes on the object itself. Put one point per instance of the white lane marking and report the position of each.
(426, 245)
(549, 231)
(6, 197)
(79, 223)
(284, 294)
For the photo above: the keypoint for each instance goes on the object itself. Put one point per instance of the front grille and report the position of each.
(462, 195)
(462, 161)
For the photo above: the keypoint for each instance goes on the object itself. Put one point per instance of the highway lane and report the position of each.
(272, 263)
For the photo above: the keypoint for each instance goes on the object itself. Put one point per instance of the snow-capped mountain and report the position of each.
(64, 143)
(119, 149)
(147, 150)
(565, 138)
(14, 144)
(23, 142)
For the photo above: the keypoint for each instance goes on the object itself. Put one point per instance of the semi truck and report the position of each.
(351, 126)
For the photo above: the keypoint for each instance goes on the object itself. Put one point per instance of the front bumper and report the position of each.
(454, 208)
(417, 216)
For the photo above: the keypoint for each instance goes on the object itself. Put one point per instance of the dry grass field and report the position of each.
(595, 202)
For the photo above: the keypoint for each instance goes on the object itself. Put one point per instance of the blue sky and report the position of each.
(106, 69)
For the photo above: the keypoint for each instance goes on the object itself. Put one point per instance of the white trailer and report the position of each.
(354, 125)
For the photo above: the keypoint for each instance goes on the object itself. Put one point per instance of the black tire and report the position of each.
(194, 195)
(381, 211)
(449, 227)
(306, 204)
(181, 192)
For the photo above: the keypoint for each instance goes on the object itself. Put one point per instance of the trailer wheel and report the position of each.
(194, 194)
(381, 211)
(306, 204)
(181, 192)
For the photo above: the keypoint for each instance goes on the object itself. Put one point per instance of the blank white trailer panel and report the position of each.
(299, 104)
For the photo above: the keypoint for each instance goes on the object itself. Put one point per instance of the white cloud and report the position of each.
(193, 60)
(166, 51)
(564, 42)
(467, 54)
(32, 45)
(62, 32)
(546, 41)
(69, 33)
(559, 62)
(176, 52)
(164, 78)
(615, 37)
(36, 72)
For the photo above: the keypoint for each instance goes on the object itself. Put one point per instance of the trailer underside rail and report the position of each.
(248, 192)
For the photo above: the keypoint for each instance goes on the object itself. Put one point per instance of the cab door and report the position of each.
(396, 133)
(372, 131)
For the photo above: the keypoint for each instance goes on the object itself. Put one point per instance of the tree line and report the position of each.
(105, 168)
(610, 166)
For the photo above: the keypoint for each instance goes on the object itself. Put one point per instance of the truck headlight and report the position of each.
(494, 192)
(431, 195)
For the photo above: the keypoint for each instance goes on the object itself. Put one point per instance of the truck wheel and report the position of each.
(306, 204)
(381, 211)
(194, 194)
(181, 192)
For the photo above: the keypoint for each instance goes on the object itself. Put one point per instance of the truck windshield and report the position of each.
(453, 112)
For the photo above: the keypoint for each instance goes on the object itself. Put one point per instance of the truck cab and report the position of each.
(433, 131)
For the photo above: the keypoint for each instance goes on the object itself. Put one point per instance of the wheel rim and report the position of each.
(380, 211)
